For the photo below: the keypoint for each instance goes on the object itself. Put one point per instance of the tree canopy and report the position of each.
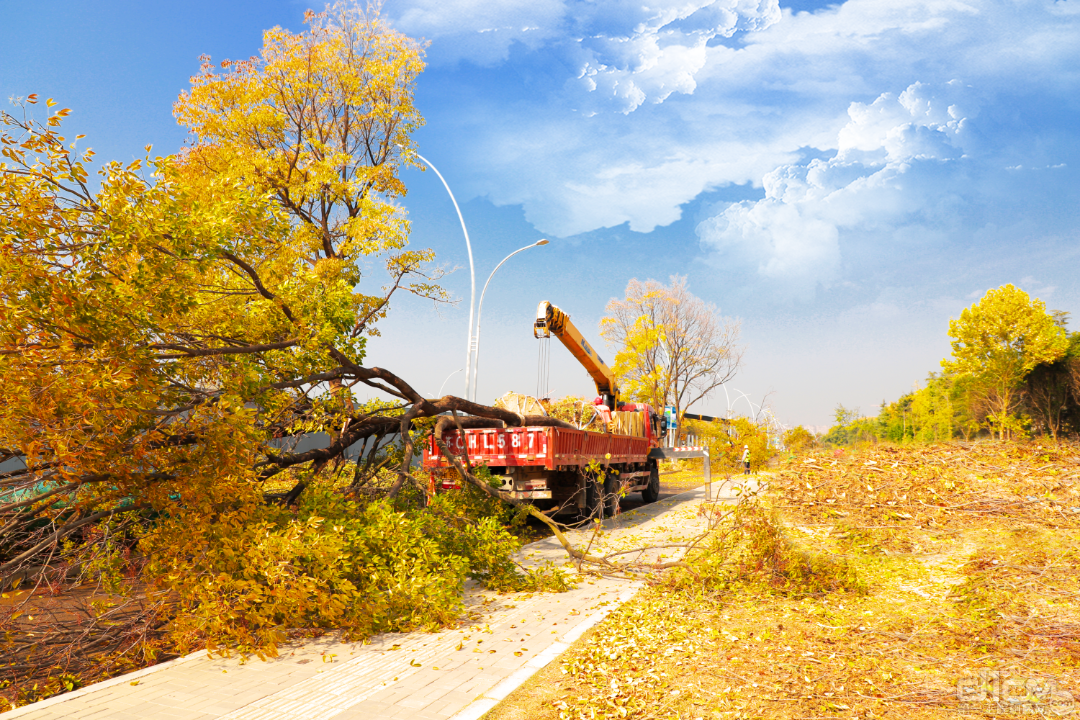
(160, 331)
(673, 348)
(998, 341)
(168, 330)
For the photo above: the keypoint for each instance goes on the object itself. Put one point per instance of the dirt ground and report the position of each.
(897, 582)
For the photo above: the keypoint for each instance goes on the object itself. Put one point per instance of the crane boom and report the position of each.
(550, 319)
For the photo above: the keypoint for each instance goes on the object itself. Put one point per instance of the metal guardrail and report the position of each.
(686, 453)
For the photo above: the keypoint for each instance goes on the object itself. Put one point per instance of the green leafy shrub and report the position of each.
(798, 439)
(362, 567)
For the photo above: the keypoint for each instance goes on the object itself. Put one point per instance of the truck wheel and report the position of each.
(612, 486)
(651, 493)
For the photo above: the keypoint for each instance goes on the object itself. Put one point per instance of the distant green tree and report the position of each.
(945, 407)
(894, 421)
(850, 428)
(1051, 391)
(997, 342)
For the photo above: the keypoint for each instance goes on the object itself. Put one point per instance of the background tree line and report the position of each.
(1014, 371)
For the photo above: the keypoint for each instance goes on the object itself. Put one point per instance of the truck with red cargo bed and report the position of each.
(553, 463)
(550, 466)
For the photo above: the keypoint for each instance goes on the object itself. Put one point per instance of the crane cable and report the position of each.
(543, 369)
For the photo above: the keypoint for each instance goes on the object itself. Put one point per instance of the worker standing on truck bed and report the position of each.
(746, 459)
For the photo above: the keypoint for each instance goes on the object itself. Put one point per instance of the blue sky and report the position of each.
(843, 178)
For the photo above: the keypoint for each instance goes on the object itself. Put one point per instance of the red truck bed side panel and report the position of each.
(549, 447)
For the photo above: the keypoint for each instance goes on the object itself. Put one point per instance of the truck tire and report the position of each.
(651, 493)
(612, 486)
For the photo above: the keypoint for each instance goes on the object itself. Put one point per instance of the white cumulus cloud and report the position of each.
(886, 173)
(622, 53)
(478, 30)
(656, 50)
(624, 113)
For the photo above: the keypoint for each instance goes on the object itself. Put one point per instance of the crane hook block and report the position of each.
(549, 320)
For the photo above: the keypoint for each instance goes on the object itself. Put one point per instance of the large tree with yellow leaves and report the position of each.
(166, 328)
(673, 348)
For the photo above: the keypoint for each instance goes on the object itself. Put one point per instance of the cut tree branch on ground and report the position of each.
(603, 565)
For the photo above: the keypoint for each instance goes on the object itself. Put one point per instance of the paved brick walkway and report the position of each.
(457, 673)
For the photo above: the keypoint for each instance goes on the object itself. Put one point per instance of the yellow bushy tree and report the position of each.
(725, 440)
(320, 123)
(798, 439)
(997, 342)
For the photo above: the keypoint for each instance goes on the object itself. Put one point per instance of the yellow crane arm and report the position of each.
(550, 319)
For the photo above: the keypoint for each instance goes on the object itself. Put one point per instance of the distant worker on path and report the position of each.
(746, 459)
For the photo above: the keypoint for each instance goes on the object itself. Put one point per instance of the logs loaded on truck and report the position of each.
(551, 462)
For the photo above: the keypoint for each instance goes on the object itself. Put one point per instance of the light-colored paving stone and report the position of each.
(457, 673)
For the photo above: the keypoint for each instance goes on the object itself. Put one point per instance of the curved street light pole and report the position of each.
(479, 309)
(472, 273)
(447, 379)
(770, 419)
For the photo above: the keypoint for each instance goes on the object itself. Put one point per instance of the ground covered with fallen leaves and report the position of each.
(899, 582)
(680, 479)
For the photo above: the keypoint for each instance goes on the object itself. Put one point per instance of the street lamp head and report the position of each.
(541, 242)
